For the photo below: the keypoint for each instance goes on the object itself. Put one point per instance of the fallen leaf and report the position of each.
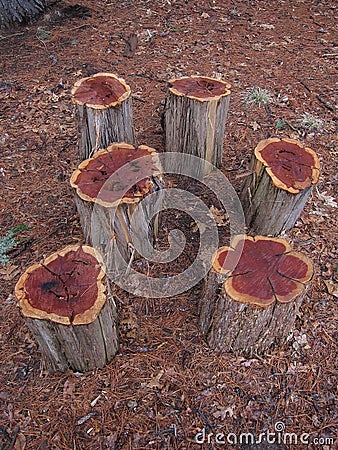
(255, 126)
(20, 443)
(220, 217)
(131, 45)
(9, 272)
(129, 323)
(85, 418)
(332, 287)
(68, 388)
(155, 382)
(328, 200)
(199, 226)
(222, 412)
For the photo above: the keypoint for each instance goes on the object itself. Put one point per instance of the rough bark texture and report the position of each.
(103, 111)
(275, 193)
(12, 11)
(230, 326)
(66, 307)
(112, 217)
(194, 119)
(78, 347)
(252, 295)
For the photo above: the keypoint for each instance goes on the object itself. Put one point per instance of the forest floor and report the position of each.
(165, 385)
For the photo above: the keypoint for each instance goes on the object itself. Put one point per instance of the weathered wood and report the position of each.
(104, 112)
(110, 203)
(252, 295)
(68, 310)
(273, 196)
(194, 119)
(13, 11)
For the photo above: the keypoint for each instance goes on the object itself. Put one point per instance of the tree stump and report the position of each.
(252, 294)
(274, 195)
(109, 189)
(104, 112)
(66, 307)
(194, 118)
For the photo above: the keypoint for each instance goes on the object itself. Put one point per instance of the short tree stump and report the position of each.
(283, 173)
(194, 119)
(252, 294)
(104, 112)
(109, 189)
(66, 307)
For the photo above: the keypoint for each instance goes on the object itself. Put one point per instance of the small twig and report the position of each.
(76, 28)
(318, 97)
(306, 86)
(323, 102)
(204, 419)
(290, 126)
(11, 35)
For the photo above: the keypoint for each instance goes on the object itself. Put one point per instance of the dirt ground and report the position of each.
(166, 385)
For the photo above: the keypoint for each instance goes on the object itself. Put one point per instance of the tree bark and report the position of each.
(68, 310)
(194, 119)
(252, 295)
(283, 173)
(103, 111)
(111, 207)
(12, 11)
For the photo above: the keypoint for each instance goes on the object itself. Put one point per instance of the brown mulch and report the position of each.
(166, 385)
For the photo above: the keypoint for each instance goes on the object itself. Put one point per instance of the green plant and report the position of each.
(281, 124)
(311, 122)
(42, 34)
(257, 95)
(9, 242)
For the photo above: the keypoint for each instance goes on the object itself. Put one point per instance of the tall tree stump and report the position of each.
(66, 307)
(194, 118)
(104, 112)
(283, 172)
(109, 189)
(252, 294)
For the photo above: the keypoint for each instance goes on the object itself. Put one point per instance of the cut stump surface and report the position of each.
(65, 305)
(109, 190)
(283, 172)
(255, 305)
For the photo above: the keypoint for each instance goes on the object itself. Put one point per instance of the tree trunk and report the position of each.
(12, 11)
(66, 307)
(104, 112)
(194, 119)
(252, 295)
(274, 195)
(112, 204)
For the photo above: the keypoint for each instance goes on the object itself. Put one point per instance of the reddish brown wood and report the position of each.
(115, 197)
(263, 284)
(104, 112)
(100, 91)
(93, 180)
(66, 306)
(283, 172)
(200, 88)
